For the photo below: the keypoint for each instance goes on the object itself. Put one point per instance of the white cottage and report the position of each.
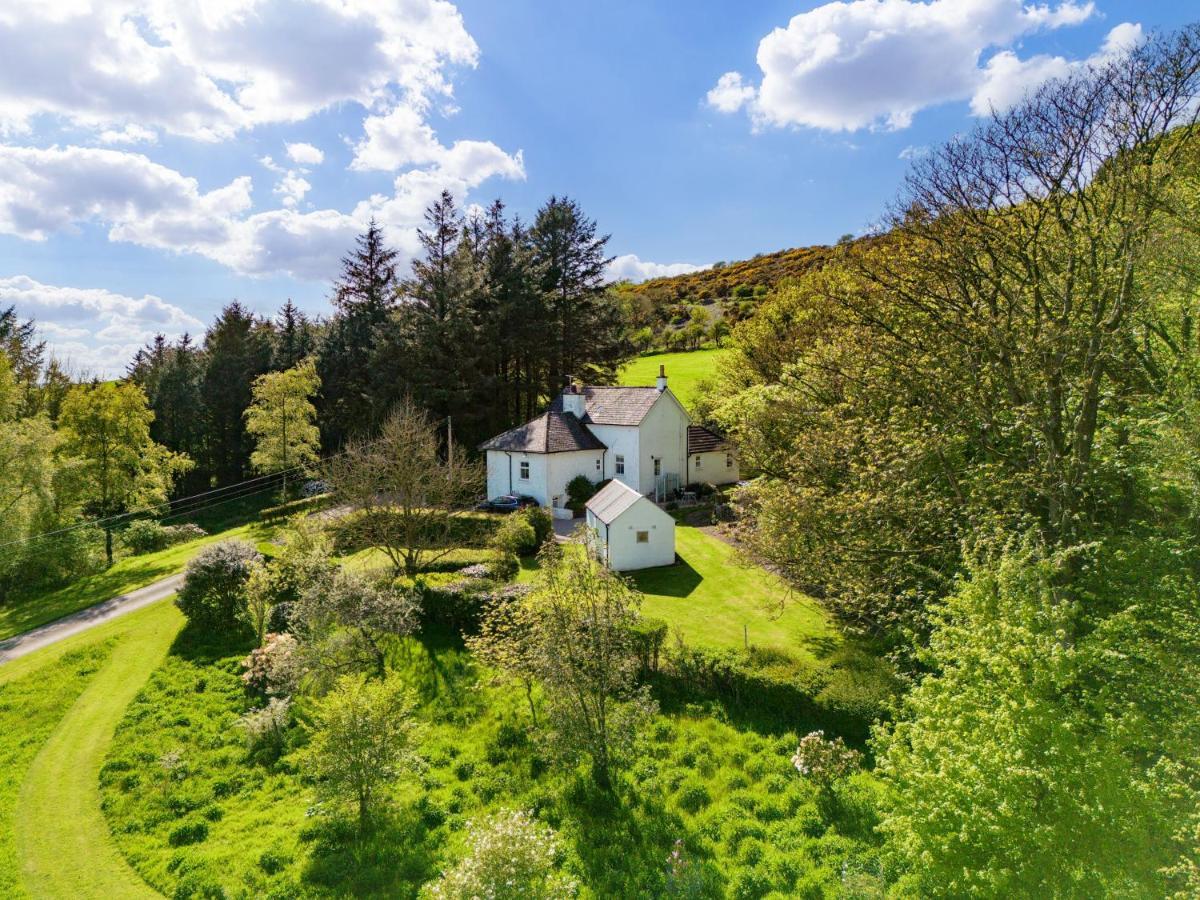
(628, 531)
(640, 436)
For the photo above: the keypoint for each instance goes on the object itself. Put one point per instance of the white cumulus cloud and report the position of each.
(860, 64)
(629, 267)
(305, 154)
(207, 69)
(94, 331)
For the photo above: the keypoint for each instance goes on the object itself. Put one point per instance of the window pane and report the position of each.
(643, 537)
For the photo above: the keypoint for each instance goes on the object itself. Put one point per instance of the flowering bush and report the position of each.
(265, 729)
(824, 761)
(273, 668)
(510, 855)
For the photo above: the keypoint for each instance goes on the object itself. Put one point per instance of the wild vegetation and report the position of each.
(973, 443)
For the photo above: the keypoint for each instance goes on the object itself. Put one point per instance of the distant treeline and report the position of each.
(484, 329)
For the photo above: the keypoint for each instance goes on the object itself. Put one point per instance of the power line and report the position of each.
(186, 501)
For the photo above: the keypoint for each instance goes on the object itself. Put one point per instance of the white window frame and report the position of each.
(523, 470)
(642, 537)
(597, 464)
(729, 460)
(657, 466)
(619, 463)
(699, 461)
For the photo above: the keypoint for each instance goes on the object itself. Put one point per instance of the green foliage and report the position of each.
(148, 536)
(213, 595)
(281, 419)
(580, 490)
(542, 522)
(516, 536)
(762, 824)
(363, 737)
(1039, 737)
(106, 428)
(295, 507)
(648, 637)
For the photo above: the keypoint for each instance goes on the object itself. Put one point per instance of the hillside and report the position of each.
(685, 312)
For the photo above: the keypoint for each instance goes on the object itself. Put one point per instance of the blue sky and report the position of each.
(158, 159)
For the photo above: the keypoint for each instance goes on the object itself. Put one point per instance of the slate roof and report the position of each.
(551, 432)
(704, 440)
(613, 405)
(611, 500)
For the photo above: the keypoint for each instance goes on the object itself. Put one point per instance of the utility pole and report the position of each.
(450, 441)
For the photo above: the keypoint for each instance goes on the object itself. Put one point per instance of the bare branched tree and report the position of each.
(407, 490)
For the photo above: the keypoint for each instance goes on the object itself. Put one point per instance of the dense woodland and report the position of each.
(973, 438)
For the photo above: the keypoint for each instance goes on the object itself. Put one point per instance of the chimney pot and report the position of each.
(661, 382)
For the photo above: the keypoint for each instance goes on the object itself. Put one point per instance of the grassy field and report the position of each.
(714, 601)
(58, 709)
(717, 602)
(222, 824)
(125, 575)
(685, 371)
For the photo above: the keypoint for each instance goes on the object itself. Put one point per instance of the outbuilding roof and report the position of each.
(704, 440)
(611, 500)
(603, 405)
(551, 432)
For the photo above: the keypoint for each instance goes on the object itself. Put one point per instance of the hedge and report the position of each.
(292, 507)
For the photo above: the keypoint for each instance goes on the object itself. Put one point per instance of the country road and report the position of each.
(47, 634)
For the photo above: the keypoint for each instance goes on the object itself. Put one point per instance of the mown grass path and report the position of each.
(62, 837)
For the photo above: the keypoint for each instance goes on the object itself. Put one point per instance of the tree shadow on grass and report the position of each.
(203, 646)
(397, 856)
(624, 840)
(678, 580)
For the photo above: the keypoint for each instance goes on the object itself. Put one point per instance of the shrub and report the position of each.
(824, 761)
(648, 636)
(516, 536)
(505, 566)
(274, 667)
(580, 490)
(265, 729)
(214, 587)
(144, 536)
(148, 536)
(188, 833)
(510, 856)
(542, 522)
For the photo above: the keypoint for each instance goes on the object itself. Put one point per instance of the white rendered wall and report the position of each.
(624, 553)
(712, 468)
(620, 439)
(663, 435)
(562, 467)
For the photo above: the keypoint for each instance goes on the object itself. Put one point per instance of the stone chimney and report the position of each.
(661, 381)
(572, 398)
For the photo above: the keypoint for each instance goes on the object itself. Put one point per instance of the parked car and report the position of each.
(508, 503)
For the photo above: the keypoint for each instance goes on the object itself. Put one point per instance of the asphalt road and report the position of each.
(47, 634)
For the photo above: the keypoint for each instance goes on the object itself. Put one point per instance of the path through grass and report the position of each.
(61, 836)
(685, 371)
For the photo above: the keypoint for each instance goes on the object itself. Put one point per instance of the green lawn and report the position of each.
(125, 575)
(58, 710)
(715, 601)
(685, 371)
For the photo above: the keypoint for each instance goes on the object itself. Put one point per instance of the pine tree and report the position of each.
(588, 335)
(364, 296)
(295, 337)
(237, 350)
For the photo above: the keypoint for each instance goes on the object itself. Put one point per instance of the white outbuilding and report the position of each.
(629, 531)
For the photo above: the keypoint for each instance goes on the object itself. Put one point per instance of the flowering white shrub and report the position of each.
(824, 761)
(510, 856)
(265, 729)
